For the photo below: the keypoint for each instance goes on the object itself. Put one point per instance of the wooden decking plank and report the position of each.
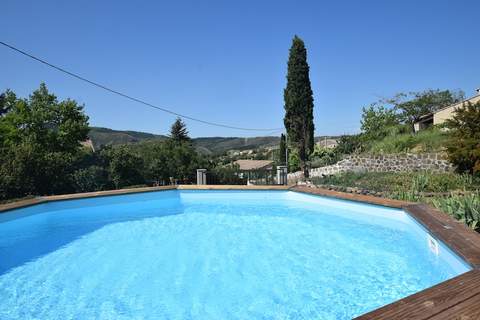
(431, 301)
(466, 310)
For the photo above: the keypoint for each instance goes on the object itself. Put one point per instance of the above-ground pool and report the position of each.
(213, 255)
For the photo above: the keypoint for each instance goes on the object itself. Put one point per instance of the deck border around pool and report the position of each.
(457, 298)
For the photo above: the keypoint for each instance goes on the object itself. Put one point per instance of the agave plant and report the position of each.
(464, 208)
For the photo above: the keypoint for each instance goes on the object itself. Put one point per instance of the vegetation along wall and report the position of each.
(435, 162)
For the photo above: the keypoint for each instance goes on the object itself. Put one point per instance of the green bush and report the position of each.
(463, 208)
(93, 178)
(322, 156)
(228, 174)
(350, 144)
(464, 145)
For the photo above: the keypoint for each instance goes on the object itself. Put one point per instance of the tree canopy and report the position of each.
(376, 120)
(464, 146)
(40, 140)
(41, 151)
(298, 97)
(178, 131)
(413, 105)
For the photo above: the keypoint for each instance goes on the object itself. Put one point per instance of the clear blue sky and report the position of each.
(225, 61)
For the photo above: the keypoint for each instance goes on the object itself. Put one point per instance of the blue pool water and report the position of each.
(212, 255)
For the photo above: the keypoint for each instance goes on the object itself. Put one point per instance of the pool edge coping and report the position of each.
(454, 294)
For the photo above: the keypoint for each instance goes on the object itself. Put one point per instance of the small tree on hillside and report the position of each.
(298, 98)
(413, 105)
(178, 131)
(464, 147)
(376, 120)
(282, 150)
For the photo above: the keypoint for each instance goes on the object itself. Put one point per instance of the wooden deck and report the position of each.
(457, 298)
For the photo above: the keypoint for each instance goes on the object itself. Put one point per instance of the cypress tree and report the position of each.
(282, 150)
(298, 97)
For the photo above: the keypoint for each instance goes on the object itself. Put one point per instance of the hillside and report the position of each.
(213, 145)
(104, 136)
(205, 145)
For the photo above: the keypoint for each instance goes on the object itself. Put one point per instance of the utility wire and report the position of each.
(101, 86)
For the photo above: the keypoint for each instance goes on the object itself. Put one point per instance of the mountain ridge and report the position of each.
(101, 136)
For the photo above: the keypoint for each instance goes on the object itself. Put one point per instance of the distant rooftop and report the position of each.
(251, 165)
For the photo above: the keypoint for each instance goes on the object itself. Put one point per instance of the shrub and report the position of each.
(376, 120)
(322, 156)
(93, 178)
(350, 144)
(464, 145)
(463, 208)
(228, 174)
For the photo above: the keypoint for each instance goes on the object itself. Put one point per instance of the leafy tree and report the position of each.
(168, 159)
(7, 101)
(282, 150)
(92, 178)
(411, 106)
(376, 119)
(349, 144)
(298, 98)
(178, 131)
(228, 174)
(464, 147)
(40, 139)
(124, 166)
(322, 156)
(293, 160)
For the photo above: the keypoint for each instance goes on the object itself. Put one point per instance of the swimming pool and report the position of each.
(213, 255)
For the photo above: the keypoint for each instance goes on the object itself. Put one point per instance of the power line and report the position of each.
(101, 86)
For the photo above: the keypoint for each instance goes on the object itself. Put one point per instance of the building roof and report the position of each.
(250, 165)
(472, 100)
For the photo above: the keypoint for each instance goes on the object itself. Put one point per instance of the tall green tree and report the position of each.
(124, 166)
(376, 120)
(298, 97)
(282, 150)
(178, 131)
(464, 146)
(40, 140)
(411, 106)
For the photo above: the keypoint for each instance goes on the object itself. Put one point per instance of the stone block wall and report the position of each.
(435, 162)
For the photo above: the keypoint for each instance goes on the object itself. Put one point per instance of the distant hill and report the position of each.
(213, 145)
(205, 145)
(104, 136)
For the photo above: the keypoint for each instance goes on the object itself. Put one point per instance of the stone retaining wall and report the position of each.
(435, 162)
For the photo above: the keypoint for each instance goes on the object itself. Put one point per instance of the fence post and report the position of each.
(282, 175)
(201, 176)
